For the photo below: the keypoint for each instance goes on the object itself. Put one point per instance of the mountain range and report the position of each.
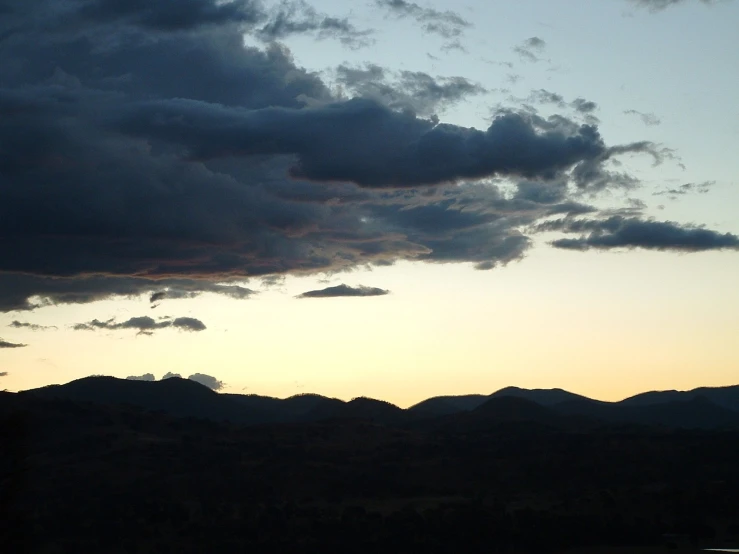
(705, 407)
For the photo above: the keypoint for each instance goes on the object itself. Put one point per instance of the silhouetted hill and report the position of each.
(553, 407)
(698, 412)
(726, 397)
(295, 408)
(510, 412)
(443, 405)
(175, 396)
(545, 397)
(509, 479)
(363, 408)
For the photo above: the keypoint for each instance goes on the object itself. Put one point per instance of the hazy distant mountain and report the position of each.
(727, 397)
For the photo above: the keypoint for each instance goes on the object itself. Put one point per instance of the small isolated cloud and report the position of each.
(649, 119)
(298, 17)
(4, 373)
(622, 232)
(170, 375)
(531, 49)
(144, 377)
(687, 188)
(6, 344)
(659, 5)
(30, 326)
(188, 324)
(174, 293)
(584, 106)
(144, 325)
(344, 290)
(207, 380)
(447, 24)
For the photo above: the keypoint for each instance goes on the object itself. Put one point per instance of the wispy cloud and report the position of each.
(447, 24)
(649, 119)
(144, 325)
(30, 326)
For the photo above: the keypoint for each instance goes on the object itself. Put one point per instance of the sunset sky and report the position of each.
(379, 198)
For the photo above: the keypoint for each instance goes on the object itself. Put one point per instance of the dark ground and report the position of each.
(78, 477)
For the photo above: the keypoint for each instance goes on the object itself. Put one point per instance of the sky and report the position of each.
(380, 198)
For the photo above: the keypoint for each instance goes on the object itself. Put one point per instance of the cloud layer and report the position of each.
(145, 150)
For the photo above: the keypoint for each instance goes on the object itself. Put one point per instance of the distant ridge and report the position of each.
(705, 407)
(726, 397)
(545, 397)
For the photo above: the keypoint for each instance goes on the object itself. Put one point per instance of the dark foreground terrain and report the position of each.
(507, 475)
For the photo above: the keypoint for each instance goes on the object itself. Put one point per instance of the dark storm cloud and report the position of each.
(531, 49)
(687, 188)
(297, 17)
(144, 377)
(30, 326)
(27, 292)
(649, 119)
(170, 15)
(447, 24)
(659, 5)
(364, 142)
(6, 344)
(344, 290)
(207, 380)
(406, 90)
(150, 154)
(143, 324)
(622, 232)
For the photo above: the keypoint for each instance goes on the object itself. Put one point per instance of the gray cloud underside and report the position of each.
(447, 24)
(143, 324)
(408, 90)
(298, 17)
(6, 344)
(147, 152)
(344, 290)
(622, 232)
